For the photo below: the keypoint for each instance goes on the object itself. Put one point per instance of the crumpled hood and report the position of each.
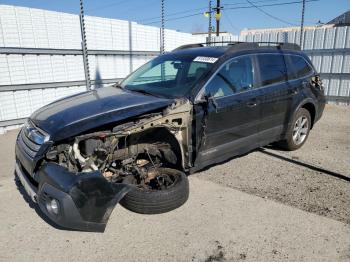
(81, 112)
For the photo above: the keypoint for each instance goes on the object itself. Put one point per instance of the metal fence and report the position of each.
(328, 48)
(41, 56)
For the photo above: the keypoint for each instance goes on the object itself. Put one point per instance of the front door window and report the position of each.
(235, 77)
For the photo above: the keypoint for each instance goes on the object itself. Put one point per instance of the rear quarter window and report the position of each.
(272, 68)
(298, 67)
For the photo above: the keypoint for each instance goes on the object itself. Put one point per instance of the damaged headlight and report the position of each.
(34, 133)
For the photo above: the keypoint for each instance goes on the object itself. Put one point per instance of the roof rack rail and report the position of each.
(238, 45)
(281, 45)
(189, 46)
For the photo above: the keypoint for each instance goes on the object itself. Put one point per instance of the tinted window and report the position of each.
(161, 72)
(298, 67)
(218, 87)
(197, 69)
(272, 69)
(170, 75)
(236, 76)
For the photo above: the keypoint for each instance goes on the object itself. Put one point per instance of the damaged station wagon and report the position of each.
(134, 143)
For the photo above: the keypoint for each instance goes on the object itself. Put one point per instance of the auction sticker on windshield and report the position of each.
(205, 59)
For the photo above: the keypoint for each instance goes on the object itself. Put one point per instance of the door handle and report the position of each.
(252, 103)
(294, 91)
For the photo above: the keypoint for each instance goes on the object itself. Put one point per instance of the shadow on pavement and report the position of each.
(304, 164)
(34, 206)
(313, 188)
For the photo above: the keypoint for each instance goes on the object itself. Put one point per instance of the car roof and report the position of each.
(237, 47)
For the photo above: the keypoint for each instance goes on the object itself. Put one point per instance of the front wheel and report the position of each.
(168, 189)
(298, 132)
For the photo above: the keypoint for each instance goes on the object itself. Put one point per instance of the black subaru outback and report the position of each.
(134, 142)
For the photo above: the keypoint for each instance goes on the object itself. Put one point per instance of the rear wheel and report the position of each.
(298, 131)
(167, 189)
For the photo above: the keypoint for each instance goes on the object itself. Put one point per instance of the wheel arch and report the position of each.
(161, 134)
(310, 106)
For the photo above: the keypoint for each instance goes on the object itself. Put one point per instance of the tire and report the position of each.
(291, 143)
(158, 201)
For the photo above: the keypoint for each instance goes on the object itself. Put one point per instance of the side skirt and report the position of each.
(238, 147)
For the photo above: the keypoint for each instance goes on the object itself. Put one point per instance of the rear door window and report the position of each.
(297, 67)
(272, 69)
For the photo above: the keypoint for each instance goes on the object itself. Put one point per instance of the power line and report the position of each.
(172, 14)
(197, 9)
(172, 19)
(268, 5)
(229, 21)
(232, 8)
(269, 15)
(255, 2)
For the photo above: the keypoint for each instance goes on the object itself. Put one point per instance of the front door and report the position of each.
(233, 112)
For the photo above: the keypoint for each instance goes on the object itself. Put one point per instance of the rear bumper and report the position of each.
(86, 200)
(320, 108)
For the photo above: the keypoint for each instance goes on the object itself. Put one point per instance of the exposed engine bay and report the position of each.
(132, 152)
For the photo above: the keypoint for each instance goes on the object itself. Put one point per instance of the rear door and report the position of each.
(299, 73)
(276, 96)
(233, 112)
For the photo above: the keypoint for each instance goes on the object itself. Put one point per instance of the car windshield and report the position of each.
(169, 75)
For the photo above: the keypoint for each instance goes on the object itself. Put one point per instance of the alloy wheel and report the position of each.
(301, 129)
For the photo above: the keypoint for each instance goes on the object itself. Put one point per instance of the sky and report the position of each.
(187, 15)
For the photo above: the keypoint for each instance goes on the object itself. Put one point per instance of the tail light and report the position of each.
(316, 82)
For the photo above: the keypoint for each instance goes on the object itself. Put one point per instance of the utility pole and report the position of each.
(84, 47)
(218, 15)
(210, 27)
(302, 25)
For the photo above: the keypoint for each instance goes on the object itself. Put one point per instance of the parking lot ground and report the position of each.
(216, 223)
(315, 178)
(265, 206)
